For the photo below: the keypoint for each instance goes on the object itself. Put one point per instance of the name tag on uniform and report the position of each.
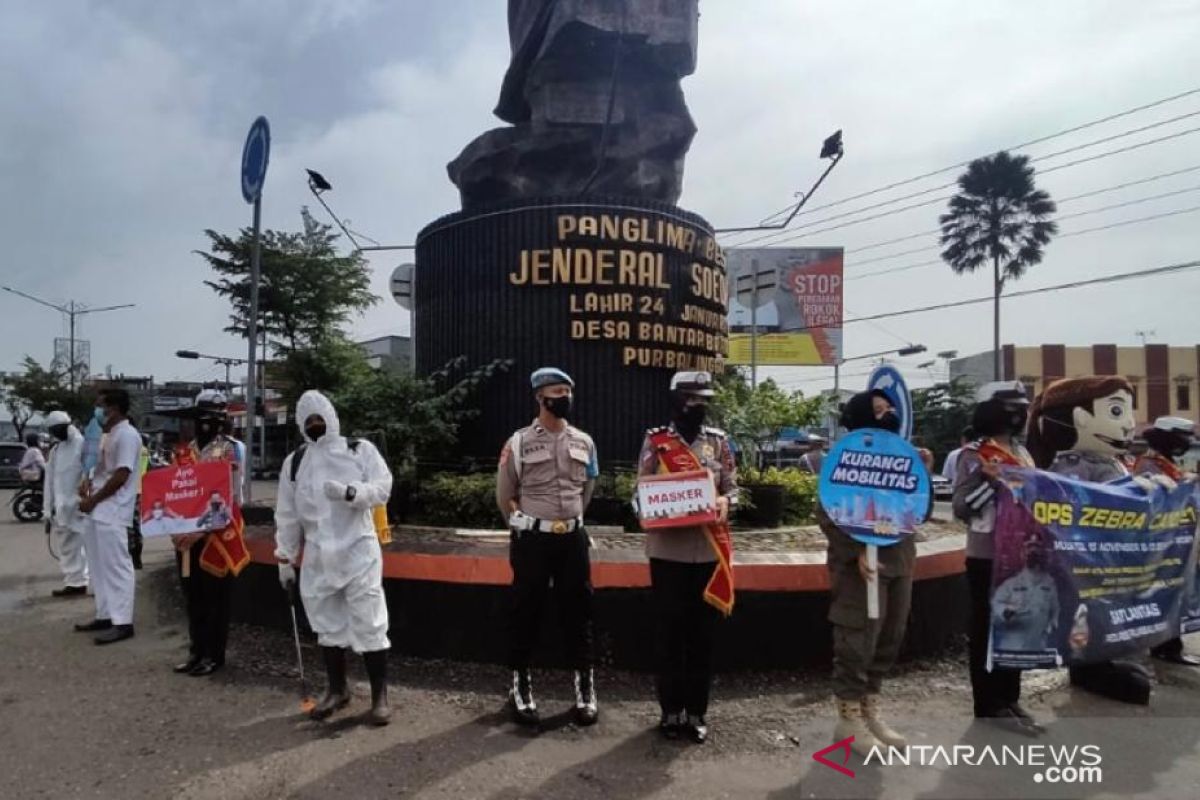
(677, 499)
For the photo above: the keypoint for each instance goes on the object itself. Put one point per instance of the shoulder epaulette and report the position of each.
(656, 431)
(715, 432)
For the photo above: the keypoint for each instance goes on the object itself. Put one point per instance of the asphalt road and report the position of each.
(88, 722)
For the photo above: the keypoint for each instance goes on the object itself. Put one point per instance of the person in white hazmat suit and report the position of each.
(324, 504)
(64, 523)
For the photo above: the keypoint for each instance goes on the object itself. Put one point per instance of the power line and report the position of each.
(1021, 146)
(1123, 223)
(1124, 276)
(890, 212)
(1069, 199)
(1066, 235)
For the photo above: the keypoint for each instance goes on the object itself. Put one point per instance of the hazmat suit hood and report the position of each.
(313, 402)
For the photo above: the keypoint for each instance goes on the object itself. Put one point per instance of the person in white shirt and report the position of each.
(950, 468)
(64, 471)
(110, 498)
(33, 463)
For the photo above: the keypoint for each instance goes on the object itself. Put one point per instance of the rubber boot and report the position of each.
(883, 732)
(381, 712)
(851, 723)
(586, 709)
(336, 695)
(521, 696)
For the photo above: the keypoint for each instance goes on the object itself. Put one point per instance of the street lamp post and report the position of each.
(72, 310)
(222, 360)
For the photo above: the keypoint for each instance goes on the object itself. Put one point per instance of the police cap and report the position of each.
(548, 376)
(696, 383)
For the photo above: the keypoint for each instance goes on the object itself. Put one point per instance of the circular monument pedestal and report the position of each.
(619, 293)
(448, 597)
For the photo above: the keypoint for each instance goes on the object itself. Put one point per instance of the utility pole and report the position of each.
(72, 310)
(747, 289)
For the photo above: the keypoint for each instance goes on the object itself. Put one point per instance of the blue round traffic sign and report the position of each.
(255, 154)
(888, 380)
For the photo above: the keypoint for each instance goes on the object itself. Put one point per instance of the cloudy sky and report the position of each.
(124, 123)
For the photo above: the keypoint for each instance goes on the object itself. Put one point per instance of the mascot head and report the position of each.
(1093, 414)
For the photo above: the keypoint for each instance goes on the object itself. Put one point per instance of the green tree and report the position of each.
(998, 216)
(754, 417)
(416, 418)
(38, 390)
(940, 412)
(307, 292)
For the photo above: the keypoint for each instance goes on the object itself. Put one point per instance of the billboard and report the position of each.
(799, 305)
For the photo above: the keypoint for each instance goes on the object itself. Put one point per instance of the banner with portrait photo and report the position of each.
(1088, 572)
(190, 498)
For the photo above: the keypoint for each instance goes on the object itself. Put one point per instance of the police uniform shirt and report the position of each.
(1085, 465)
(557, 472)
(690, 544)
(974, 495)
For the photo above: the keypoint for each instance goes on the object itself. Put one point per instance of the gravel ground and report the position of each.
(804, 539)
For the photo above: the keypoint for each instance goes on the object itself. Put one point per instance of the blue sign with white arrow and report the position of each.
(888, 380)
(255, 154)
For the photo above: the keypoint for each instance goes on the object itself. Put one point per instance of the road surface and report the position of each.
(86, 722)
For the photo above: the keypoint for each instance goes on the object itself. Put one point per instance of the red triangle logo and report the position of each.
(844, 746)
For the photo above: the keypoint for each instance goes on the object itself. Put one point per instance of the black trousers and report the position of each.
(543, 563)
(686, 624)
(996, 690)
(207, 598)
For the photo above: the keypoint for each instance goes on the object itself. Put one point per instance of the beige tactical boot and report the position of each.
(883, 732)
(851, 723)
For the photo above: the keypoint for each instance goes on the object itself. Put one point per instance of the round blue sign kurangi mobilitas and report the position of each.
(874, 487)
(255, 154)
(888, 380)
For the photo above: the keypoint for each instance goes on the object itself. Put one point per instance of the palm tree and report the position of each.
(998, 215)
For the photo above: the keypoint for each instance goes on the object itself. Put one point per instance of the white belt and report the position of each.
(524, 522)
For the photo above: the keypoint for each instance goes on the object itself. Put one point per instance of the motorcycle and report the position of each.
(26, 503)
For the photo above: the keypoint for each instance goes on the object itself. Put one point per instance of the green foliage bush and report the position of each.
(459, 501)
(799, 491)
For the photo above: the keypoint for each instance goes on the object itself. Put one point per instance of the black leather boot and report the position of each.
(381, 712)
(586, 709)
(524, 708)
(336, 696)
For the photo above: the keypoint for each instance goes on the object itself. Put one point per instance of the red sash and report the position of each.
(993, 453)
(1164, 465)
(675, 456)
(224, 551)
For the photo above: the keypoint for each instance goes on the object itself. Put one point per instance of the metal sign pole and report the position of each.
(255, 155)
(754, 325)
(252, 387)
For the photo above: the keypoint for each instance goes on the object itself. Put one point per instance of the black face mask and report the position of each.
(692, 417)
(888, 422)
(206, 431)
(59, 432)
(558, 406)
(314, 432)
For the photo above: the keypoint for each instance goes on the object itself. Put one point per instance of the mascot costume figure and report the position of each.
(1082, 428)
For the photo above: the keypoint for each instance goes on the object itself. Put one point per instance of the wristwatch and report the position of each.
(350, 493)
